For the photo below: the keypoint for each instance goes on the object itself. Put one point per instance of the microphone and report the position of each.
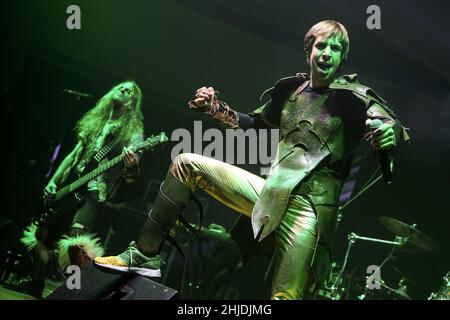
(77, 93)
(383, 156)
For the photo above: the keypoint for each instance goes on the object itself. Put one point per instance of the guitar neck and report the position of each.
(149, 143)
(88, 177)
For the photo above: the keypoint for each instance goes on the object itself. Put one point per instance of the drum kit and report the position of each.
(342, 285)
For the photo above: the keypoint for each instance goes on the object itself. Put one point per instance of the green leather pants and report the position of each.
(238, 189)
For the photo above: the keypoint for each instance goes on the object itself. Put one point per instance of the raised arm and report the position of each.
(206, 101)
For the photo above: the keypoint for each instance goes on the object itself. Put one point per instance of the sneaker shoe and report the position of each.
(132, 260)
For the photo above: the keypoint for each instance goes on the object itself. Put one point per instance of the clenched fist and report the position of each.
(204, 97)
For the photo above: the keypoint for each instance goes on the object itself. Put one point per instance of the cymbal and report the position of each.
(413, 235)
(408, 247)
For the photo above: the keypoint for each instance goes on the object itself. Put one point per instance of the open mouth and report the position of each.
(325, 67)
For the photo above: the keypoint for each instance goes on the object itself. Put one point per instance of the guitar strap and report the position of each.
(101, 154)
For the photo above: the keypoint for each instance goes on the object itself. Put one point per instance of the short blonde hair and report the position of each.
(327, 28)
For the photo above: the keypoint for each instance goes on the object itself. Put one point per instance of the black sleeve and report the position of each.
(246, 121)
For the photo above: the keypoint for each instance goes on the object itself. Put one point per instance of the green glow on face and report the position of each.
(123, 92)
(325, 59)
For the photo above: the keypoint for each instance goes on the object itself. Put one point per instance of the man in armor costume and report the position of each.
(322, 117)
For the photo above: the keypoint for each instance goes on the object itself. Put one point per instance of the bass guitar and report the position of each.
(52, 206)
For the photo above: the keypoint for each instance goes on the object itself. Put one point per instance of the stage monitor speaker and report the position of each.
(98, 285)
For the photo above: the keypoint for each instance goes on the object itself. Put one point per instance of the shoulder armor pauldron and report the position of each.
(296, 80)
(350, 82)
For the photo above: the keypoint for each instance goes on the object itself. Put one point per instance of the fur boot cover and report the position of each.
(87, 242)
(31, 239)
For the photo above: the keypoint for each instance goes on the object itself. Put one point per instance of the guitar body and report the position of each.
(49, 210)
(55, 218)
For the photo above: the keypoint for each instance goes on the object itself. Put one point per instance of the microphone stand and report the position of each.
(340, 216)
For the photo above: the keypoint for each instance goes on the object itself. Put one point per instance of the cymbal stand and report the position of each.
(337, 283)
(352, 237)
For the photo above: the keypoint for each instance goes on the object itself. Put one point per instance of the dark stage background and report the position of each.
(172, 47)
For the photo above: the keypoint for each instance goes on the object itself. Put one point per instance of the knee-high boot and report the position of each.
(171, 200)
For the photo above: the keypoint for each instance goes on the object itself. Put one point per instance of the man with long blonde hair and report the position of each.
(108, 129)
(322, 117)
